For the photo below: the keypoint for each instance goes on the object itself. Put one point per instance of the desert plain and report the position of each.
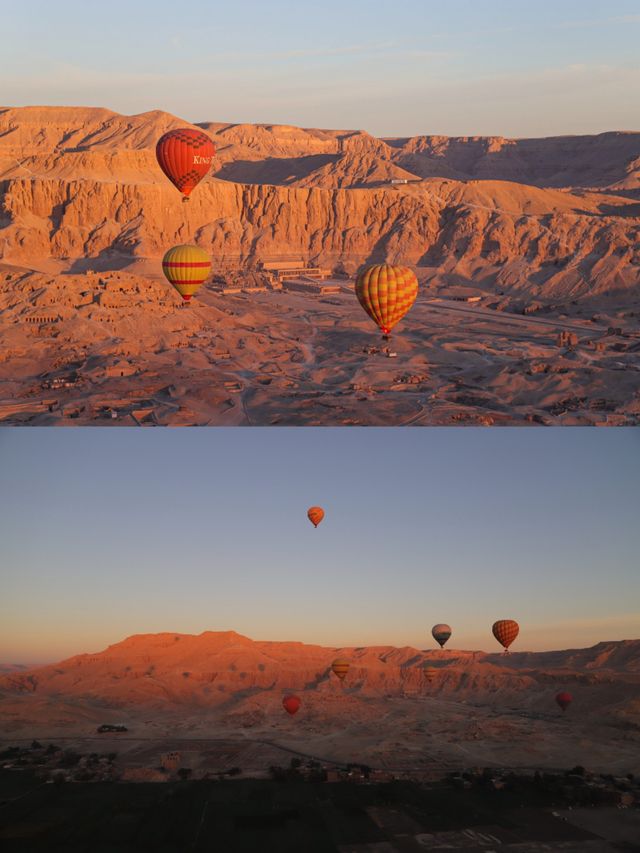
(216, 698)
(526, 252)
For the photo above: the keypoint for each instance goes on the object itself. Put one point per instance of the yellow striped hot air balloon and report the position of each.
(386, 293)
(340, 667)
(186, 267)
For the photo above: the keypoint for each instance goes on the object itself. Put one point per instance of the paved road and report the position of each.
(515, 319)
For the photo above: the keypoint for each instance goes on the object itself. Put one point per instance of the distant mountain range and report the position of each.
(211, 668)
(556, 217)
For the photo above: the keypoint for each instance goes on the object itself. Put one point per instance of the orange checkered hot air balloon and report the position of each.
(505, 631)
(340, 667)
(186, 267)
(386, 293)
(315, 514)
(185, 156)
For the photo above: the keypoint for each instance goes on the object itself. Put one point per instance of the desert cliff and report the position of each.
(542, 236)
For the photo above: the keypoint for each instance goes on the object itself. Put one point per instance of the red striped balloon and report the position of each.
(185, 156)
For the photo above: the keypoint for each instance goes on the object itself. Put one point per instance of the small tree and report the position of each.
(69, 758)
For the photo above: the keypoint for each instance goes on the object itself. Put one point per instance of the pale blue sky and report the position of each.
(411, 66)
(109, 532)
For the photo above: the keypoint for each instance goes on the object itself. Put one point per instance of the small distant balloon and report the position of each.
(564, 699)
(441, 633)
(185, 156)
(315, 514)
(340, 668)
(291, 704)
(505, 631)
(386, 293)
(186, 267)
(429, 672)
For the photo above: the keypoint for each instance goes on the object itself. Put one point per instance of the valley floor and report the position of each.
(291, 359)
(292, 815)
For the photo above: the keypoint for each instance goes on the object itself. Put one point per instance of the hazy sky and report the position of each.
(109, 532)
(459, 67)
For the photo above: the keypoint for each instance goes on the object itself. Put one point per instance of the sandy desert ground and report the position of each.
(545, 232)
(217, 698)
(292, 359)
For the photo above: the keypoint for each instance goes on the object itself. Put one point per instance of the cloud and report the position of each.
(337, 51)
(597, 22)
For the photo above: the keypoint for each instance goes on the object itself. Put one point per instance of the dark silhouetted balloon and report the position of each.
(441, 633)
(564, 699)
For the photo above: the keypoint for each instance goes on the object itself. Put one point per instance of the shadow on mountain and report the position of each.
(274, 170)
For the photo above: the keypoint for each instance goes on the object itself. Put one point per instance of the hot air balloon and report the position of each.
(340, 667)
(429, 672)
(315, 514)
(441, 633)
(291, 704)
(186, 267)
(505, 631)
(564, 699)
(185, 156)
(386, 293)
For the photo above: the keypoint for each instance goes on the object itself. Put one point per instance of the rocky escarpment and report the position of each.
(83, 185)
(215, 667)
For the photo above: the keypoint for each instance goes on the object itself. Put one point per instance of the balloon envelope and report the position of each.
(505, 631)
(429, 672)
(386, 293)
(185, 156)
(441, 633)
(340, 667)
(291, 704)
(564, 699)
(315, 514)
(186, 267)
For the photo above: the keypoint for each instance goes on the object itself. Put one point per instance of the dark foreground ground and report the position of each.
(294, 815)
